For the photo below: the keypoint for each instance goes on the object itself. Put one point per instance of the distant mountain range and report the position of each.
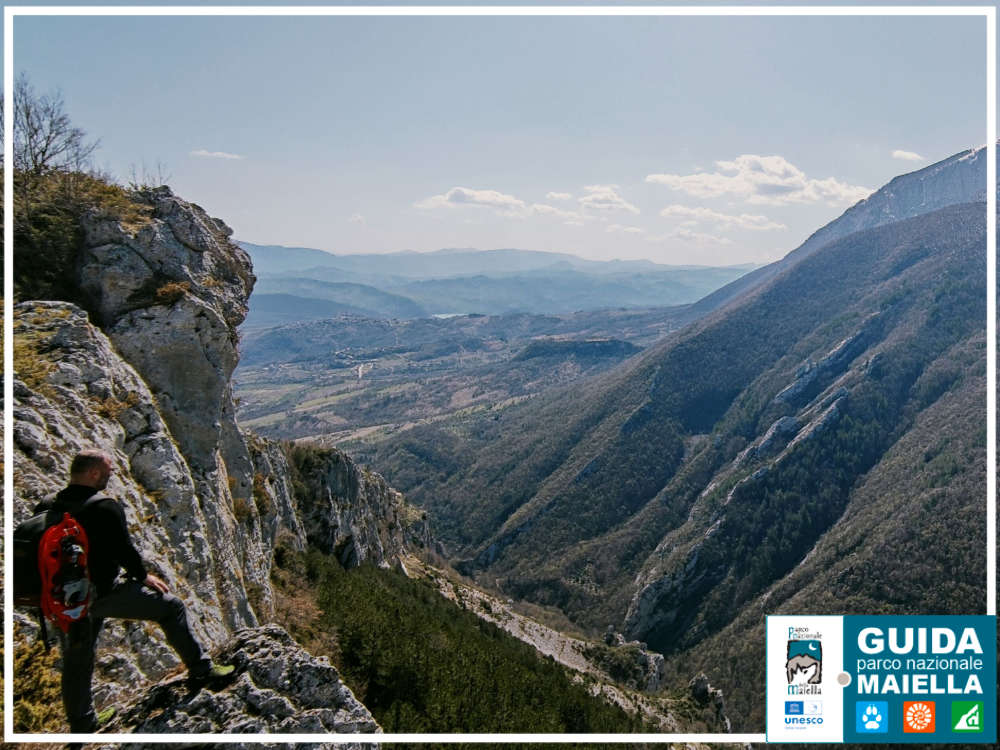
(306, 284)
(445, 263)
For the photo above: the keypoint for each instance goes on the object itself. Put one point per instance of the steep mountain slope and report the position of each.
(675, 490)
(958, 179)
(911, 539)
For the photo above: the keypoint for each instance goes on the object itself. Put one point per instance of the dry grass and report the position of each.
(111, 407)
(170, 293)
(31, 367)
(261, 498)
(37, 697)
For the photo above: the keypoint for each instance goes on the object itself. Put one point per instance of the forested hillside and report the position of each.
(676, 490)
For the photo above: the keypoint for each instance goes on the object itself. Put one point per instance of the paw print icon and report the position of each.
(872, 717)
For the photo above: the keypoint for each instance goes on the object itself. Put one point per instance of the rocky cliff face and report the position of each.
(354, 514)
(146, 378)
(169, 296)
(72, 391)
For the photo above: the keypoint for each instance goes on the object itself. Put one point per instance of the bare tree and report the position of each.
(45, 139)
(148, 177)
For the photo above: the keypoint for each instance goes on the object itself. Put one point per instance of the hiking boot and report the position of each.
(218, 674)
(220, 671)
(104, 718)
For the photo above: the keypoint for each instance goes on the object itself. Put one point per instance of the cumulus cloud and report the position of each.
(573, 223)
(606, 198)
(770, 180)
(215, 154)
(616, 228)
(726, 221)
(459, 196)
(907, 155)
(687, 235)
(559, 196)
(356, 219)
(541, 208)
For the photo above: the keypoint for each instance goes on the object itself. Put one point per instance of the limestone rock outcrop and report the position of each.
(71, 392)
(706, 695)
(170, 294)
(278, 689)
(354, 514)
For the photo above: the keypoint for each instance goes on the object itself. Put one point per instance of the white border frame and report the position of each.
(988, 12)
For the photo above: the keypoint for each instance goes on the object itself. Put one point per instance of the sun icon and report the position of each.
(919, 716)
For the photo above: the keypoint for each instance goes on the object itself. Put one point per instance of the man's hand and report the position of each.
(155, 583)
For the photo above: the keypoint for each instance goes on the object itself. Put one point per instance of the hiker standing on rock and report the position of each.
(137, 596)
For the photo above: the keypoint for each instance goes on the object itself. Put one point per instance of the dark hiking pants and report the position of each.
(128, 600)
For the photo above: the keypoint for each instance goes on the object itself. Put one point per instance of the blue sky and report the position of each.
(683, 140)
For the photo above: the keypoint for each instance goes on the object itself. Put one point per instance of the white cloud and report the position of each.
(686, 235)
(459, 196)
(726, 221)
(573, 223)
(606, 198)
(614, 228)
(356, 219)
(768, 180)
(541, 208)
(215, 154)
(907, 155)
(559, 196)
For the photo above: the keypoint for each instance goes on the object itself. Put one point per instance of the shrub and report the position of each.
(260, 497)
(241, 509)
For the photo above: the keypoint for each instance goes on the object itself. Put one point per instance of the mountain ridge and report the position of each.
(959, 178)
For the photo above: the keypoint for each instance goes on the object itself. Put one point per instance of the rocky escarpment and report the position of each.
(143, 373)
(169, 296)
(71, 392)
(665, 604)
(278, 688)
(354, 514)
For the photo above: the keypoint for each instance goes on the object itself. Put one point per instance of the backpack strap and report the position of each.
(43, 631)
(61, 506)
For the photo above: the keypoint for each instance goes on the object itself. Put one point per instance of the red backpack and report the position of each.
(66, 592)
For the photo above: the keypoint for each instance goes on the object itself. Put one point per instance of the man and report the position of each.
(138, 596)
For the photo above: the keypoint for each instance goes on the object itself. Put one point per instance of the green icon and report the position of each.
(967, 716)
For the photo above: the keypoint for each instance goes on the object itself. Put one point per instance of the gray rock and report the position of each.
(834, 363)
(781, 429)
(110, 407)
(354, 514)
(278, 689)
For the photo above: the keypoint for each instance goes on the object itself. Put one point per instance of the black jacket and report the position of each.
(107, 534)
